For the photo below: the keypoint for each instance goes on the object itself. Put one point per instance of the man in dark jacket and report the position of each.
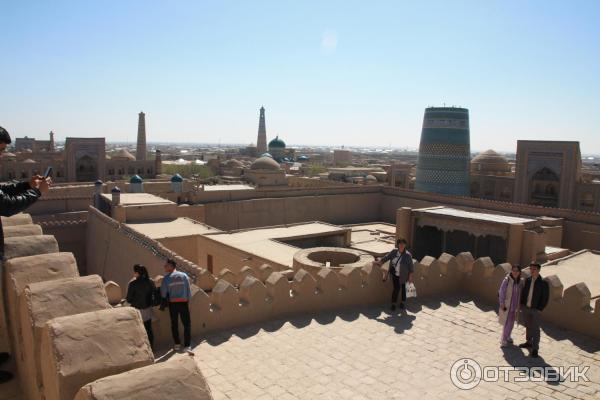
(534, 298)
(14, 198)
(17, 196)
(401, 270)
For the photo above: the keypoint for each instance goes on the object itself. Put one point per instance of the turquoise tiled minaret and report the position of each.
(444, 152)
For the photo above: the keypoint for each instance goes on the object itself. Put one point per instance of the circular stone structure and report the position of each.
(315, 259)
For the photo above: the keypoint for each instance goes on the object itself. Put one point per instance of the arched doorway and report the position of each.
(86, 169)
(546, 184)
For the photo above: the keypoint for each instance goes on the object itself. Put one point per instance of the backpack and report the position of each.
(156, 296)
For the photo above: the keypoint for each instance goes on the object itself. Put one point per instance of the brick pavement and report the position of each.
(370, 354)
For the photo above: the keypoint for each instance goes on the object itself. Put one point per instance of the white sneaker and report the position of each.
(177, 347)
(189, 350)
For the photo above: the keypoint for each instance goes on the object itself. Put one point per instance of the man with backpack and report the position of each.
(176, 294)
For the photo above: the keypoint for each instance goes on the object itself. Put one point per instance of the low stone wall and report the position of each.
(253, 296)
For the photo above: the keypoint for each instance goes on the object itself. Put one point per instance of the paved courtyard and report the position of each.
(370, 354)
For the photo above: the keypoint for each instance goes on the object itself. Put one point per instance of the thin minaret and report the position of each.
(52, 141)
(261, 142)
(141, 138)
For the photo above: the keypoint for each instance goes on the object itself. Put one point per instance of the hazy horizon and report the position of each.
(328, 73)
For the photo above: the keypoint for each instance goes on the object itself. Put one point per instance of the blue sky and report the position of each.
(327, 72)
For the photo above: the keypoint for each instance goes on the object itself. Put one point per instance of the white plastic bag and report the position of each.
(411, 290)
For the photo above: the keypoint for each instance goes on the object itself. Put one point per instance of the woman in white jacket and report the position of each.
(509, 297)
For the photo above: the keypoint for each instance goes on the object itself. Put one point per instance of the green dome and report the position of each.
(176, 178)
(135, 179)
(277, 143)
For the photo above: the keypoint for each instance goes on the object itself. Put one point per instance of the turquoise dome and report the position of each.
(277, 143)
(176, 178)
(135, 179)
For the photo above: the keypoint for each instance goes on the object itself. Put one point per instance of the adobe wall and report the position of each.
(59, 205)
(185, 246)
(568, 308)
(335, 209)
(267, 294)
(69, 230)
(196, 212)
(580, 235)
(113, 248)
(227, 257)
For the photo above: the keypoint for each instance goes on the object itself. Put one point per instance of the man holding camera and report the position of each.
(14, 198)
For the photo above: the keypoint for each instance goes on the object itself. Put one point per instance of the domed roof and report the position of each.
(8, 155)
(277, 143)
(370, 178)
(233, 163)
(491, 162)
(266, 155)
(176, 178)
(28, 161)
(135, 179)
(123, 154)
(265, 163)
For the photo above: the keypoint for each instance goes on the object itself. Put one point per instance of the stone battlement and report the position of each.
(62, 331)
(260, 295)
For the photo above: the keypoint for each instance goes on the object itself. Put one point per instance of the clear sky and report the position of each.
(328, 72)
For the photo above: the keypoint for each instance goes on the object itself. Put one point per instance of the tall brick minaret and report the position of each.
(261, 142)
(141, 138)
(52, 148)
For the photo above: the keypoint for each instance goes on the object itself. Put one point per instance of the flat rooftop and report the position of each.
(376, 239)
(262, 242)
(133, 199)
(486, 217)
(176, 228)
(369, 354)
(215, 188)
(583, 266)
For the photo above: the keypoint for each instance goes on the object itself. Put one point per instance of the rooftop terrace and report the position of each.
(369, 354)
(176, 228)
(583, 266)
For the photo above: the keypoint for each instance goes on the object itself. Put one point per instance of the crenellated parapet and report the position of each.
(570, 308)
(255, 296)
(63, 331)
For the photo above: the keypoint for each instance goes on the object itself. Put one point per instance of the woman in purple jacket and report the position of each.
(508, 297)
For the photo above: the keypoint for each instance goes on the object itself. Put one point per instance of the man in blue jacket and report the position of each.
(176, 294)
